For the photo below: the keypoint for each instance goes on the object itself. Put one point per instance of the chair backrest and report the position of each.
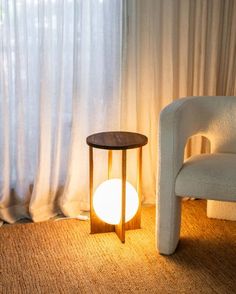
(216, 116)
(220, 115)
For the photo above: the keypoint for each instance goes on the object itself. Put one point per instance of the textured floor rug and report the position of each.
(62, 257)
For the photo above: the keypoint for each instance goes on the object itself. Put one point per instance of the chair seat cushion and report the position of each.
(208, 176)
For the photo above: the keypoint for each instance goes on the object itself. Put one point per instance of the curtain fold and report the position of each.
(174, 49)
(59, 82)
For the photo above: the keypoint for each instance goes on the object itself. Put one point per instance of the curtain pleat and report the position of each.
(60, 65)
(175, 49)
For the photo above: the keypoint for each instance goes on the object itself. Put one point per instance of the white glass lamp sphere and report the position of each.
(107, 201)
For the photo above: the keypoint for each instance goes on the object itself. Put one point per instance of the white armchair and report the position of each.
(209, 176)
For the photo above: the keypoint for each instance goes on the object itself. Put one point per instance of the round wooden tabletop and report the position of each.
(116, 140)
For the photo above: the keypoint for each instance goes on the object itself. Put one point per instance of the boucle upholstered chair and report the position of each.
(209, 176)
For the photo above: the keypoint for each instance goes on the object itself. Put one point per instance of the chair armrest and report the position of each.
(178, 121)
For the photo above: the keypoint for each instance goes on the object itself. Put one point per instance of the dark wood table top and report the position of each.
(116, 140)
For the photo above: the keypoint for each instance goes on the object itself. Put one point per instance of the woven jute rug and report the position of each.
(62, 257)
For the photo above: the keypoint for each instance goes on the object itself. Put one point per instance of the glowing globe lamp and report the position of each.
(107, 201)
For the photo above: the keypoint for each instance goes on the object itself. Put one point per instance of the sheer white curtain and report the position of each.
(174, 48)
(60, 66)
(71, 68)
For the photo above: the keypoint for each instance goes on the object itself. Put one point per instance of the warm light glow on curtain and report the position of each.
(174, 49)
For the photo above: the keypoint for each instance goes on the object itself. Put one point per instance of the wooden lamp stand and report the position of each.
(116, 141)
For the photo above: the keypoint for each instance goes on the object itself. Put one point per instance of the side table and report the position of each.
(116, 141)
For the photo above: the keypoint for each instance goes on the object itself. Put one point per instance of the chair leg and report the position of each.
(168, 224)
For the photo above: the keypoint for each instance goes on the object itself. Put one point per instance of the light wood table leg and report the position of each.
(109, 163)
(92, 212)
(96, 224)
(139, 187)
(120, 228)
